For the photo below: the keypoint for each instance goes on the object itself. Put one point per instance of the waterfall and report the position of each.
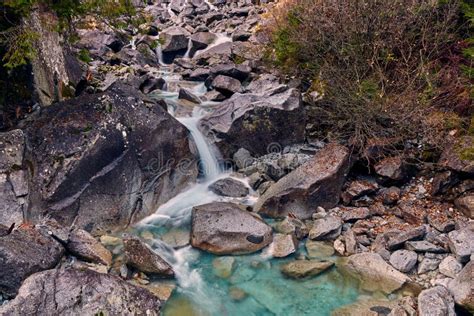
(159, 55)
(190, 46)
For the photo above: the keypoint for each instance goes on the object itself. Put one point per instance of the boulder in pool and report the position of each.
(305, 268)
(225, 228)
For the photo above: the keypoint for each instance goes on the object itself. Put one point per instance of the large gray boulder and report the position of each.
(326, 228)
(23, 252)
(229, 187)
(318, 182)
(461, 242)
(374, 273)
(68, 291)
(174, 39)
(256, 122)
(461, 287)
(140, 256)
(107, 160)
(81, 244)
(404, 260)
(224, 228)
(436, 301)
(13, 178)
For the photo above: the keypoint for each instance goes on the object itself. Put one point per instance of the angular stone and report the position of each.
(224, 228)
(174, 39)
(84, 246)
(461, 242)
(326, 228)
(141, 257)
(226, 85)
(305, 268)
(357, 189)
(80, 292)
(392, 168)
(317, 182)
(436, 301)
(450, 267)
(424, 246)
(229, 187)
(283, 245)
(374, 273)
(397, 241)
(23, 252)
(466, 205)
(428, 264)
(461, 287)
(455, 156)
(353, 214)
(185, 94)
(403, 260)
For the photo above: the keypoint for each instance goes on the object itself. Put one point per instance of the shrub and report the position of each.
(380, 68)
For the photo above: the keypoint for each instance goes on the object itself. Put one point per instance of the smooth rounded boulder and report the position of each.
(317, 182)
(225, 228)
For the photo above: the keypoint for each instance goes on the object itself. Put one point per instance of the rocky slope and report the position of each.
(99, 162)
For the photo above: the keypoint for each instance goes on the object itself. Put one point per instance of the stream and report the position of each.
(231, 285)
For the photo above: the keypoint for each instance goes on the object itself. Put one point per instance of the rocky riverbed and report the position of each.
(181, 180)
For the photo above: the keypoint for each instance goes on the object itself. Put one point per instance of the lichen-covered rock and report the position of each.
(104, 161)
(140, 256)
(317, 182)
(403, 260)
(457, 155)
(461, 242)
(224, 228)
(374, 273)
(68, 291)
(461, 287)
(23, 252)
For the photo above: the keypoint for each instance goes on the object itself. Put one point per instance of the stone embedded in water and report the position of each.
(141, 257)
(185, 94)
(80, 292)
(176, 238)
(374, 273)
(326, 228)
(223, 266)
(436, 301)
(305, 268)
(83, 245)
(237, 294)
(224, 228)
(23, 252)
(283, 245)
(317, 182)
(319, 249)
(229, 187)
(403, 260)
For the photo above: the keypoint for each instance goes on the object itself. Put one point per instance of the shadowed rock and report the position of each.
(83, 245)
(140, 256)
(229, 187)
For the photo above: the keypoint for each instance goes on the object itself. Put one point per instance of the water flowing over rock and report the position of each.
(68, 291)
(107, 160)
(224, 228)
(140, 256)
(256, 122)
(23, 252)
(318, 182)
(374, 273)
(436, 301)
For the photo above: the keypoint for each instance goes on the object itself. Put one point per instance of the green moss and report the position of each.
(84, 55)
(467, 154)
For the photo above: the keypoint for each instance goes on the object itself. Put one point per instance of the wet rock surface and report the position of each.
(229, 187)
(141, 257)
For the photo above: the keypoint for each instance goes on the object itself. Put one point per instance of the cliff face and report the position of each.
(56, 71)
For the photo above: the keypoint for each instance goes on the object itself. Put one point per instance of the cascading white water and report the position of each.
(188, 51)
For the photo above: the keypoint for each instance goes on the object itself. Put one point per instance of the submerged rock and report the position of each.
(318, 182)
(305, 268)
(224, 228)
(436, 301)
(229, 187)
(23, 252)
(283, 245)
(104, 161)
(80, 292)
(374, 273)
(141, 257)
